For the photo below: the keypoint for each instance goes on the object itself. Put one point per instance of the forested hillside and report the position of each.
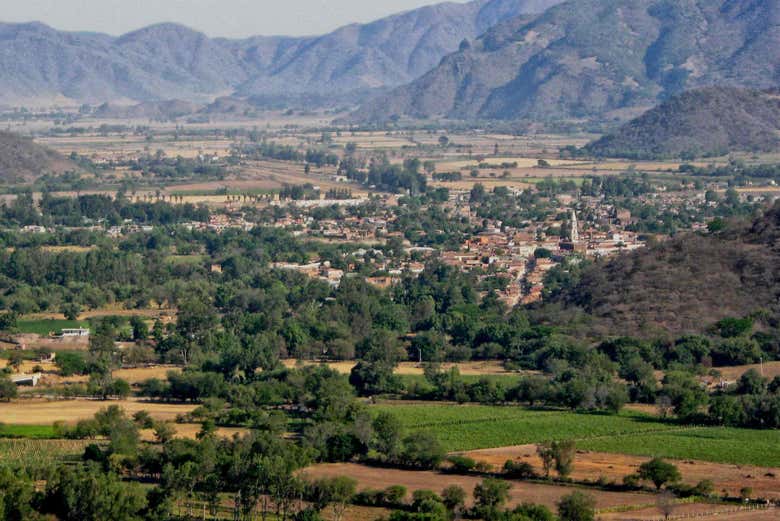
(681, 286)
(707, 122)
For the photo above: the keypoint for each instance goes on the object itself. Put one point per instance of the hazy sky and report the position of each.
(230, 18)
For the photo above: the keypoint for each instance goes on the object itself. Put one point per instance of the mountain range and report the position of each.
(595, 59)
(168, 61)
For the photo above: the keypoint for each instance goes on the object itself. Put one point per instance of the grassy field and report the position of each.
(724, 445)
(470, 427)
(44, 327)
(41, 432)
(40, 452)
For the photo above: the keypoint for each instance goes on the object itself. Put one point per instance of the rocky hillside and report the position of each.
(595, 58)
(681, 286)
(706, 122)
(21, 159)
(168, 61)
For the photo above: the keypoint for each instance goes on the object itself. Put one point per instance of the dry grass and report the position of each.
(769, 369)
(46, 412)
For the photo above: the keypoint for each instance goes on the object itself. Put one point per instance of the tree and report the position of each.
(546, 454)
(70, 363)
(751, 382)
(87, 494)
(334, 492)
(490, 495)
(422, 450)
(454, 498)
(140, 329)
(71, 310)
(659, 472)
(563, 454)
(15, 361)
(8, 389)
(577, 507)
(388, 431)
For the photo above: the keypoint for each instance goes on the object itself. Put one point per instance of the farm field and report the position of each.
(718, 444)
(613, 467)
(376, 478)
(470, 427)
(768, 369)
(40, 452)
(45, 412)
(43, 327)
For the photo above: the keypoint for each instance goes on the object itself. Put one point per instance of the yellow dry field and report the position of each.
(768, 369)
(46, 412)
(131, 376)
(190, 431)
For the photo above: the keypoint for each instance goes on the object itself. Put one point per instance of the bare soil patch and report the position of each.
(380, 478)
(613, 467)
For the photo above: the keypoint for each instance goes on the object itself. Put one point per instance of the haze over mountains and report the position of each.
(169, 61)
(592, 58)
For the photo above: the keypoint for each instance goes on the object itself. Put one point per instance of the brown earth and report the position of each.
(613, 467)
(380, 478)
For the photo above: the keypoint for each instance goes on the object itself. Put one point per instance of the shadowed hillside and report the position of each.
(21, 159)
(683, 285)
(707, 122)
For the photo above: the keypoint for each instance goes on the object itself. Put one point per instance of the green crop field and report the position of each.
(39, 452)
(44, 327)
(722, 445)
(27, 431)
(469, 427)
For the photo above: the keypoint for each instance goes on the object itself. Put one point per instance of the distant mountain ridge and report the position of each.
(593, 58)
(705, 122)
(169, 61)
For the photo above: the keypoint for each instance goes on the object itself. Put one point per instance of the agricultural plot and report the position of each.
(470, 427)
(43, 412)
(610, 467)
(40, 452)
(464, 428)
(520, 492)
(43, 327)
(726, 445)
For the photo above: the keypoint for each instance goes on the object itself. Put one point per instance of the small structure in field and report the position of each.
(29, 380)
(74, 333)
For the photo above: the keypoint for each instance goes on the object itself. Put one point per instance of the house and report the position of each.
(75, 333)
